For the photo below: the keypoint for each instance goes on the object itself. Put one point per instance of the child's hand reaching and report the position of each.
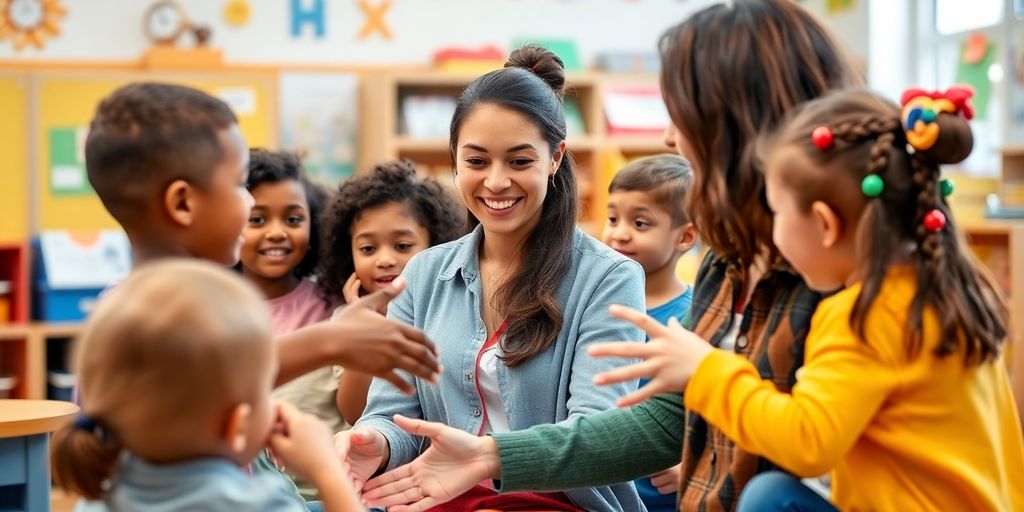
(304, 445)
(669, 359)
(376, 345)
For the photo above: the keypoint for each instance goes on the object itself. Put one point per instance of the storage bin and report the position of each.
(7, 384)
(59, 385)
(70, 275)
(5, 302)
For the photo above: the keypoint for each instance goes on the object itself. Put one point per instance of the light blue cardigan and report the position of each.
(443, 299)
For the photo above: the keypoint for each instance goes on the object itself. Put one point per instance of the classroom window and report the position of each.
(952, 16)
(945, 29)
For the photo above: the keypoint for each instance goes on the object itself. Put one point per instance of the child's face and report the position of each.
(808, 243)
(277, 235)
(222, 208)
(642, 230)
(503, 166)
(383, 240)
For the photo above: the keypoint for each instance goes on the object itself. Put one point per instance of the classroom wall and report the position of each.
(112, 29)
(43, 106)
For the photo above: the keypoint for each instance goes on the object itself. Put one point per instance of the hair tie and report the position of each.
(921, 108)
(85, 423)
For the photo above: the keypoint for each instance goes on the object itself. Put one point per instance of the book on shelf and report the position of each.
(426, 116)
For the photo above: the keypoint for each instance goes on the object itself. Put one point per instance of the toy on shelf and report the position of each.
(467, 60)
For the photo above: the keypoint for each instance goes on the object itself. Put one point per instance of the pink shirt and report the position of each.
(298, 308)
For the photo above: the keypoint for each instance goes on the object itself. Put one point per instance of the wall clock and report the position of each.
(165, 21)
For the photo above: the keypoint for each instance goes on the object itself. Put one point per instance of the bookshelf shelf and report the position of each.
(647, 144)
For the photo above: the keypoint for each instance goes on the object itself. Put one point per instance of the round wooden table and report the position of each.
(25, 427)
(27, 417)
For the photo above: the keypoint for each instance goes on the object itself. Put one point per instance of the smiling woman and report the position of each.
(512, 305)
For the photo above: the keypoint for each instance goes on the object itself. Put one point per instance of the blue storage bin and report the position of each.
(60, 385)
(68, 277)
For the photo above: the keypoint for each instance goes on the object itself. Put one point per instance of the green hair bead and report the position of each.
(872, 185)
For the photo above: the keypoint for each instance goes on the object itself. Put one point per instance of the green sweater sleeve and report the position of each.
(612, 446)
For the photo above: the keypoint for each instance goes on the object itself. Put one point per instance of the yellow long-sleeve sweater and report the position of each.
(897, 432)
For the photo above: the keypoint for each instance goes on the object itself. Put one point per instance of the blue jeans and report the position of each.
(776, 491)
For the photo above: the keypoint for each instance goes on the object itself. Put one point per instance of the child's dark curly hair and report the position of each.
(276, 166)
(390, 182)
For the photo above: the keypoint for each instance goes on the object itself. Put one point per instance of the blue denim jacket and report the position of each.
(442, 298)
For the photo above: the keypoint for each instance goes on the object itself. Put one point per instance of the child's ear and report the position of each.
(237, 429)
(829, 223)
(687, 238)
(179, 202)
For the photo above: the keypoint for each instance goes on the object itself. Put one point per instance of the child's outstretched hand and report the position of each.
(304, 444)
(669, 359)
(376, 345)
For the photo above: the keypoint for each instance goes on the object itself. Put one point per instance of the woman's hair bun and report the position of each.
(541, 62)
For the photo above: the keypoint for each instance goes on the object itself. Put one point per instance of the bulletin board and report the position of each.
(67, 101)
(14, 169)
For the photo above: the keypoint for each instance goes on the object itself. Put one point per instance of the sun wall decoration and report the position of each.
(30, 22)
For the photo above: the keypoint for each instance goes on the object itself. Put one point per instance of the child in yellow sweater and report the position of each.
(903, 395)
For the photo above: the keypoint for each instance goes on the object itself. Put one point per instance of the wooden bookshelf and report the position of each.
(23, 353)
(1000, 245)
(1011, 178)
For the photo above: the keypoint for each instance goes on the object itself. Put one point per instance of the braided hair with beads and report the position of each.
(855, 139)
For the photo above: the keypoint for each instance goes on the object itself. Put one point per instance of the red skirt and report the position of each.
(481, 498)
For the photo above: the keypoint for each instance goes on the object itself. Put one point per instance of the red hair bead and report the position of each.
(822, 137)
(934, 221)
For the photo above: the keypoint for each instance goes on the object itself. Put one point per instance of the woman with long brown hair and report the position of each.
(514, 304)
(729, 73)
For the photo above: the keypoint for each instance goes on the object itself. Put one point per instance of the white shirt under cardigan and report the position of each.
(495, 419)
(442, 298)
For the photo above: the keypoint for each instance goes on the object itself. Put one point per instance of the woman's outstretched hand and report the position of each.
(670, 358)
(455, 462)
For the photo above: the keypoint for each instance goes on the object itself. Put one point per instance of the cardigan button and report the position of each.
(469, 376)
(741, 342)
(476, 411)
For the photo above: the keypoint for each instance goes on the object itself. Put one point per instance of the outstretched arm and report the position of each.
(360, 339)
(600, 449)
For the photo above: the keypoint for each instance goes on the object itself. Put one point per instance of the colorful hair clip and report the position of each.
(822, 137)
(934, 221)
(921, 108)
(872, 185)
(946, 187)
